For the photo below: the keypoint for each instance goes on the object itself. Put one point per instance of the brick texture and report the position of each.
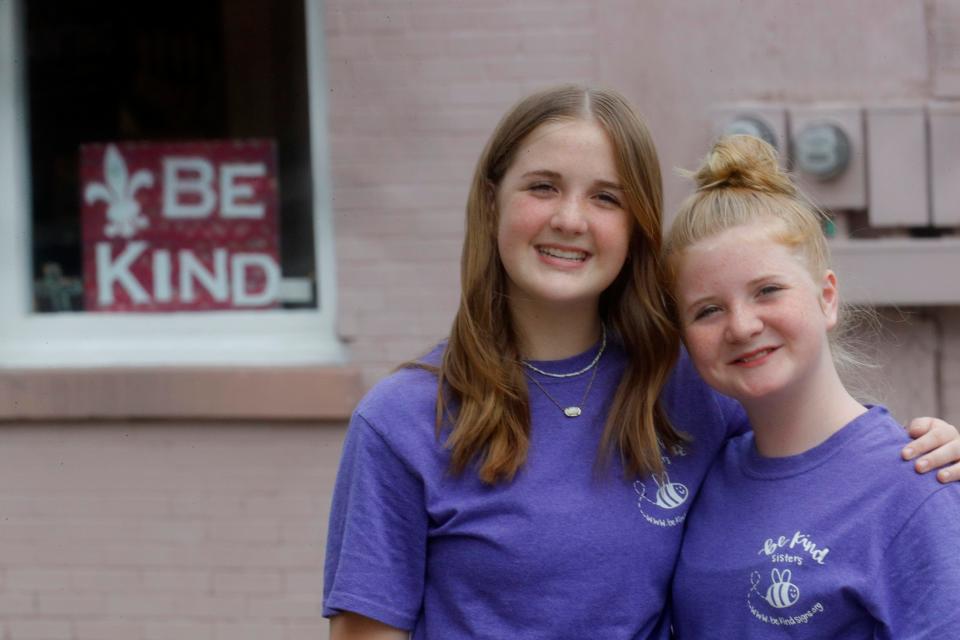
(155, 531)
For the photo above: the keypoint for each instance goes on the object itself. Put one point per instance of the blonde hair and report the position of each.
(483, 392)
(740, 182)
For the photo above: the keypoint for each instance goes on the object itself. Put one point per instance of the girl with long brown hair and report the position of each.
(529, 477)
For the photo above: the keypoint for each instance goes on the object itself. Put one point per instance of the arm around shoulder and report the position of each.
(352, 626)
(936, 446)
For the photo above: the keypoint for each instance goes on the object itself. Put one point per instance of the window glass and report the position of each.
(165, 76)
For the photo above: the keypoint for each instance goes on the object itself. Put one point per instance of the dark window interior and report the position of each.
(176, 70)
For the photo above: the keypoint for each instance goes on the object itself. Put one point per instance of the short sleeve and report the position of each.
(734, 415)
(692, 401)
(919, 590)
(376, 545)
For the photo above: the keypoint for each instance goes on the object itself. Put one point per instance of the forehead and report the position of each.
(738, 255)
(571, 142)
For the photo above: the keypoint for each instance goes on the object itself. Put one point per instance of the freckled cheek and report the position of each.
(796, 320)
(517, 230)
(701, 348)
(522, 218)
(614, 237)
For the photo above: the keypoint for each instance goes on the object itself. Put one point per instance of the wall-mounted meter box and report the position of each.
(945, 163)
(822, 150)
(765, 121)
(889, 174)
(828, 151)
(897, 167)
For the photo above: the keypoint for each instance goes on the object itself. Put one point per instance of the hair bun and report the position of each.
(743, 162)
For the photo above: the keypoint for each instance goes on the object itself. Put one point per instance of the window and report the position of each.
(159, 75)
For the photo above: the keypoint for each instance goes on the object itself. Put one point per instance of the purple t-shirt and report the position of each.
(559, 552)
(838, 542)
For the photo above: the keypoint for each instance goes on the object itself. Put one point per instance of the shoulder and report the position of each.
(696, 407)
(879, 437)
(881, 451)
(401, 408)
(685, 381)
(886, 481)
(408, 389)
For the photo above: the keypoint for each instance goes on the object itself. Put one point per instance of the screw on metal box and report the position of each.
(822, 150)
(751, 126)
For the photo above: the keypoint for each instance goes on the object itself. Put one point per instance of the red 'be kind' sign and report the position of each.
(179, 226)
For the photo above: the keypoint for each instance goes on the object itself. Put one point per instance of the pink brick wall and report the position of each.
(157, 531)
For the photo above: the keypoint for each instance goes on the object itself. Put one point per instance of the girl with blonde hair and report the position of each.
(822, 537)
(529, 477)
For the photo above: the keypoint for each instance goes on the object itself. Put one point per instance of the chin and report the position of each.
(755, 392)
(567, 297)
(741, 390)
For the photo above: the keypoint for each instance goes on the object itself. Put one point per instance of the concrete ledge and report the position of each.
(898, 271)
(290, 393)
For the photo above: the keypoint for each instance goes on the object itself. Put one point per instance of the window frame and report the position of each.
(269, 337)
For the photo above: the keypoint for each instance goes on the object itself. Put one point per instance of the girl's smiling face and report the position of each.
(754, 319)
(563, 231)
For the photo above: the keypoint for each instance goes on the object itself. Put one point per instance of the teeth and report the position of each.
(560, 253)
(755, 356)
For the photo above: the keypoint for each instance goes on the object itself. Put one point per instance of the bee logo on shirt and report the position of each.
(777, 601)
(782, 593)
(667, 497)
(670, 495)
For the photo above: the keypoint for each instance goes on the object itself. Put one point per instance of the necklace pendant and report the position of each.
(572, 412)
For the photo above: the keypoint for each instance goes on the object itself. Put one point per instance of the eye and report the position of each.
(705, 312)
(541, 187)
(769, 289)
(608, 198)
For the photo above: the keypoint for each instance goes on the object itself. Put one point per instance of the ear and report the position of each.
(830, 298)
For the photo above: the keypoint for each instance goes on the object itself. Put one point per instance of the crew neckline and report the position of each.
(758, 466)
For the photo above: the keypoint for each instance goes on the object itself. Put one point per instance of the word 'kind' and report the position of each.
(227, 281)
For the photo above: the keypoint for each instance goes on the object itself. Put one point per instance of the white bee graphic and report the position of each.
(782, 593)
(670, 495)
(123, 210)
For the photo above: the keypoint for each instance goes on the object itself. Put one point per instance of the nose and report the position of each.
(568, 217)
(742, 324)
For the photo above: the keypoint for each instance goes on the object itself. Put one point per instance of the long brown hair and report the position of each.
(482, 389)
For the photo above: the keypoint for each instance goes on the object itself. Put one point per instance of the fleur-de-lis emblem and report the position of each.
(119, 191)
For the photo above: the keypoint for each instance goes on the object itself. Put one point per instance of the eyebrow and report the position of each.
(696, 303)
(553, 175)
